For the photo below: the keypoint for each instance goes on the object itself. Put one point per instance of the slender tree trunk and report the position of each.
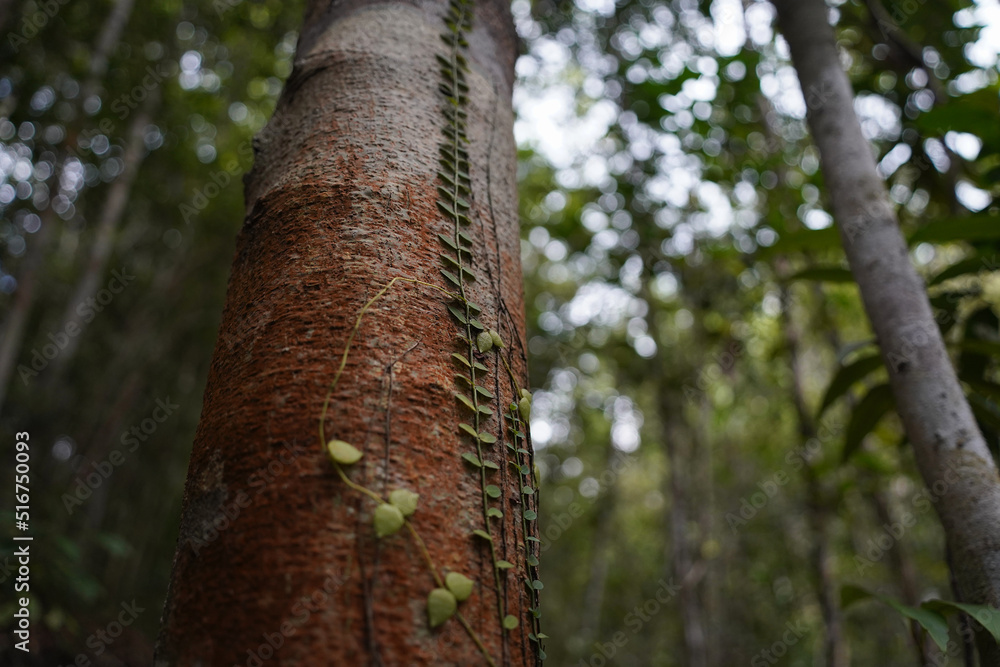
(15, 323)
(14, 327)
(354, 185)
(951, 453)
(835, 650)
(109, 38)
(108, 221)
(601, 555)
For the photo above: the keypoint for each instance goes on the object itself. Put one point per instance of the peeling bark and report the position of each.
(343, 198)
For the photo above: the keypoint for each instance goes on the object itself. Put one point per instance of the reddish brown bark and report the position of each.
(342, 198)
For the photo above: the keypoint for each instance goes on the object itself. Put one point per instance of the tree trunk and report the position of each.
(385, 155)
(949, 449)
(15, 324)
(105, 233)
(818, 513)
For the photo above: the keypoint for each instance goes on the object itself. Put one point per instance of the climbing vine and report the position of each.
(475, 342)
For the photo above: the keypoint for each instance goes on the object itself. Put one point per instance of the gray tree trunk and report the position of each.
(951, 453)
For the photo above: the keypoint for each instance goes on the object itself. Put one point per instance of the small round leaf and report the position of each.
(510, 622)
(388, 519)
(459, 584)
(343, 452)
(524, 406)
(405, 500)
(484, 342)
(497, 341)
(441, 605)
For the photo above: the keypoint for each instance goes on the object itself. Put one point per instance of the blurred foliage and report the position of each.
(719, 455)
(209, 74)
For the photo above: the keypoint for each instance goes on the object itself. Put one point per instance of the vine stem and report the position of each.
(368, 492)
(354, 332)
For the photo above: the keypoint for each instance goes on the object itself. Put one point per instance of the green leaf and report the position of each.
(462, 236)
(468, 429)
(483, 410)
(537, 585)
(452, 278)
(978, 227)
(985, 615)
(473, 459)
(971, 265)
(441, 605)
(504, 565)
(484, 343)
(531, 559)
(459, 585)
(447, 209)
(491, 465)
(510, 622)
(805, 239)
(933, 622)
(527, 490)
(460, 359)
(459, 315)
(464, 400)
(343, 453)
(405, 500)
(494, 513)
(493, 491)
(846, 377)
(388, 519)
(530, 515)
(479, 367)
(448, 242)
(828, 274)
(867, 414)
(487, 438)
(484, 392)
(483, 534)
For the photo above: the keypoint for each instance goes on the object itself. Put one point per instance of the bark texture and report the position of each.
(274, 548)
(951, 453)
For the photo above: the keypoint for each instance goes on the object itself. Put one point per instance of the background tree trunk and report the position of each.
(276, 554)
(950, 451)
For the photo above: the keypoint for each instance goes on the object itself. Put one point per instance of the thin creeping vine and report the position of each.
(393, 513)
(390, 515)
